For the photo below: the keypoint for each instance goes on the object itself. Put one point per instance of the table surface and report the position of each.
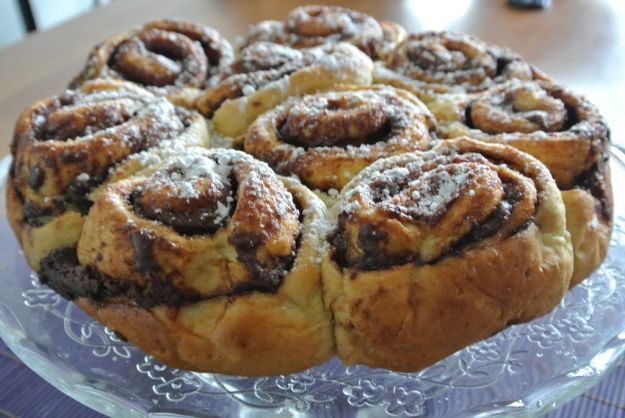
(580, 43)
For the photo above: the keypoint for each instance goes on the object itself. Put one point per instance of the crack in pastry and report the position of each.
(67, 146)
(169, 57)
(264, 74)
(460, 241)
(313, 25)
(327, 138)
(565, 132)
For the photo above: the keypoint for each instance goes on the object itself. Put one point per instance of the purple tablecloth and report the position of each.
(24, 394)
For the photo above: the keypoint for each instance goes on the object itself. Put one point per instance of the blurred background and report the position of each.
(18, 17)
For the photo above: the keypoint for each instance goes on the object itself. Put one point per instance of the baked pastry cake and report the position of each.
(265, 74)
(209, 263)
(560, 128)
(436, 189)
(170, 57)
(325, 139)
(313, 25)
(65, 146)
(436, 250)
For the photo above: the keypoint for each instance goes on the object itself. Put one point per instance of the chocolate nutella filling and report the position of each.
(594, 180)
(373, 259)
(188, 216)
(267, 276)
(61, 271)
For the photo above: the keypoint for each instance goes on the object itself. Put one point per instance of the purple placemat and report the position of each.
(24, 394)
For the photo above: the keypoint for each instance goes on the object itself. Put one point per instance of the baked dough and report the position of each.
(265, 74)
(211, 263)
(313, 25)
(170, 57)
(560, 128)
(327, 138)
(64, 147)
(436, 250)
(433, 63)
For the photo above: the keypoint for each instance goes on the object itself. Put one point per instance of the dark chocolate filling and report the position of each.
(198, 217)
(595, 182)
(502, 64)
(267, 278)
(572, 116)
(374, 259)
(143, 252)
(35, 178)
(61, 271)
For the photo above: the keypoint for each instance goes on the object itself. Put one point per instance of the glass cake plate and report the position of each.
(524, 370)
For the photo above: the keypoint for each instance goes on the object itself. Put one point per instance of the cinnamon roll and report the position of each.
(210, 263)
(66, 146)
(314, 25)
(171, 58)
(433, 63)
(435, 250)
(265, 74)
(327, 138)
(565, 132)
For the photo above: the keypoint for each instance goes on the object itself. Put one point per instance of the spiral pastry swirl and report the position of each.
(313, 25)
(565, 132)
(218, 253)
(434, 63)
(65, 146)
(170, 57)
(557, 126)
(327, 138)
(265, 74)
(477, 228)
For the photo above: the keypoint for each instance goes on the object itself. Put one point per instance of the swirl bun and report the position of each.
(477, 228)
(467, 191)
(65, 146)
(218, 254)
(313, 25)
(170, 57)
(432, 63)
(561, 129)
(265, 74)
(327, 138)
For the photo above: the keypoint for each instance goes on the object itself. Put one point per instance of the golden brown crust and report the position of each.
(565, 132)
(229, 329)
(265, 74)
(64, 147)
(430, 302)
(546, 120)
(170, 57)
(327, 138)
(314, 25)
(432, 63)
(209, 261)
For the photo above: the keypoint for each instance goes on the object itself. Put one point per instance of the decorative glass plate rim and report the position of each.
(561, 389)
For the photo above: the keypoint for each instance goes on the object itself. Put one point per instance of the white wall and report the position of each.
(49, 13)
(46, 13)
(11, 25)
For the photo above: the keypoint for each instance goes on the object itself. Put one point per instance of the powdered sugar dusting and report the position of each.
(436, 189)
(421, 186)
(190, 167)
